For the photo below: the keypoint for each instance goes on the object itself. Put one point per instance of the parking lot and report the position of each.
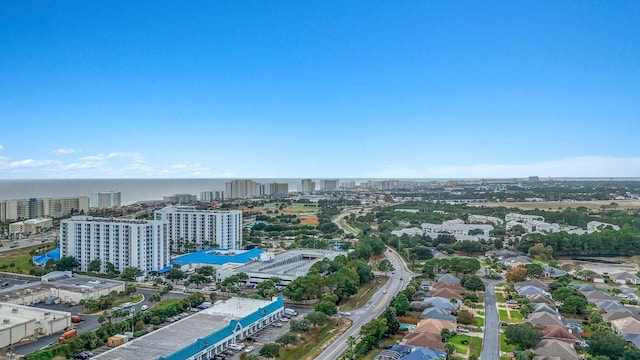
(264, 336)
(14, 279)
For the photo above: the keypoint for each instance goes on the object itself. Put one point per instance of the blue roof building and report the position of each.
(42, 259)
(203, 334)
(215, 257)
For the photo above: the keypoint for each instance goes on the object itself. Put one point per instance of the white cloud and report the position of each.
(586, 166)
(63, 151)
(1, 147)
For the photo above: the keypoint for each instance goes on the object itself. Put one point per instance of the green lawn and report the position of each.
(457, 343)
(516, 317)
(21, 259)
(500, 297)
(364, 294)
(480, 312)
(504, 316)
(166, 303)
(476, 346)
(312, 342)
(503, 344)
(480, 321)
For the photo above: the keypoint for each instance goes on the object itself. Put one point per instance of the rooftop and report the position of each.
(13, 315)
(289, 262)
(218, 257)
(111, 220)
(78, 283)
(187, 336)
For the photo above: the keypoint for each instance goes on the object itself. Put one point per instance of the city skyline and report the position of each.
(331, 90)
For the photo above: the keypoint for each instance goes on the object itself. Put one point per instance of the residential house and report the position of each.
(426, 285)
(624, 278)
(540, 299)
(553, 272)
(442, 303)
(597, 295)
(608, 305)
(628, 325)
(434, 326)
(517, 261)
(420, 353)
(632, 339)
(448, 278)
(445, 293)
(534, 282)
(544, 318)
(427, 340)
(559, 332)
(555, 349)
(542, 307)
(621, 313)
(530, 290)
(437, 313)
(451, 286)
(598, 279)
(584, 288)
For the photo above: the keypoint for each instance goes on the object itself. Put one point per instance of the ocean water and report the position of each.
(132, 189)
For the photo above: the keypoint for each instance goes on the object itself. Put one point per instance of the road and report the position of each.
(491, 342)
(376, 305)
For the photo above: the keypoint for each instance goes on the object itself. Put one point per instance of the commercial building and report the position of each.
(286, 266)
(202, 335)
(307, 186)
(202, 228)
(104, 200)
(125, 243)
(60, 286)
(41, 208)
(24, 322)
(30, 227)
(215, 258)
(241, 189)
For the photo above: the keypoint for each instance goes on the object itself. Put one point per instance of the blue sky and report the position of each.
(107, 89)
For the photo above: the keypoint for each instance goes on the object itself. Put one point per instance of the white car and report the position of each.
(284, 319)
(144, 307)
(249, 349)
(127, 305)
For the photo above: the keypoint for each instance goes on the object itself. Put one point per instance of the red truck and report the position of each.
(68, 334)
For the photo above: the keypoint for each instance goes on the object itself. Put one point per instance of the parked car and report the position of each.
(249, 349)
(76, 319)
(144, 307)
(127, 305)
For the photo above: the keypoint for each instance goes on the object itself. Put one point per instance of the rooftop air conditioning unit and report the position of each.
(15, 310)
(6, 321)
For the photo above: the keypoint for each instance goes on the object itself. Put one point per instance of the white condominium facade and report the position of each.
(204, 228)
(122, 242)
(34, 208)
(103, 200)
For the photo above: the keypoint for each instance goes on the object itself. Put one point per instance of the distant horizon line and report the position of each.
(341, 178)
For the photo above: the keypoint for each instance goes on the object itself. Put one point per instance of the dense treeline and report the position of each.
(334, 280)
(625, 242)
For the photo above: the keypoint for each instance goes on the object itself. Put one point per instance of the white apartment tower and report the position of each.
(191, 229)
(241, 189)
(104, 200)
(125, 243)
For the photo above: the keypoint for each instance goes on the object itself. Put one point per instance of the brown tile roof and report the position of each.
(626, 325)
(534, 282)
(445, 293)
(558, 332)
(451, 286)
(434, 326)
(550, 349)
(428, 340)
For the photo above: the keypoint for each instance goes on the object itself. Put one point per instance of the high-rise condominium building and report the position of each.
(125, 243)
(180, 199)
(103, 200)
(274, 189)
(207, 196)
(308, 186)
(331, 184)
(191, 229)
(43, 207)
(241, 189)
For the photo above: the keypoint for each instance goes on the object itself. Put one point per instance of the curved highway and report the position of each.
(376, 305)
